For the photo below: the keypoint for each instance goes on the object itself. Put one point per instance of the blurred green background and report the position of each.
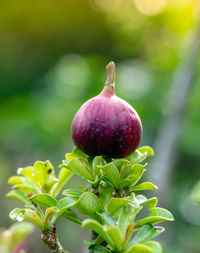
(52, 59)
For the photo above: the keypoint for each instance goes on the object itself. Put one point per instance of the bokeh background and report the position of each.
(52, 59)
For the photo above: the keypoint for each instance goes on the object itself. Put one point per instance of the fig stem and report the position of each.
(110, 81)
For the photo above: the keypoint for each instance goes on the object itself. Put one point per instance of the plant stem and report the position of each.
(51, 240)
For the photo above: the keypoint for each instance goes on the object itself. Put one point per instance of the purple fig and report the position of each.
(106, 124)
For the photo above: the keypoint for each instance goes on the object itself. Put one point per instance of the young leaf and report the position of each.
(15, 213)
(146, 149)
(63, 177)
(146, 233)
(72, 192)
(136, 173)
(98, 249)
(111, 173)
(88, 204)
(151, 203)
(48, 214)
(19, 195)
(129, 231)
(79, 168)
(115, 235)
(116, 203)
(15, 180)
(121, 163)
(97, 162)
(65, 203)
(156, 215)
(76, 153)
(106, 190)
(155, 246)
(32, 216)
(144, 186)
(43, 199)
(43, 170)
(24, 188)
(47, 186)
(106, 218)
(141, 154)
(139, 248)
(27, 215)
(29, 172)
(99, 229)
(70, 215)
(127, 216)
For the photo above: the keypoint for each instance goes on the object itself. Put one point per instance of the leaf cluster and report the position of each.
(110, 201)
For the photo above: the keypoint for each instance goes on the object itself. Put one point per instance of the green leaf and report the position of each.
(151, 203)
(62, 209)
(98, 249)
(106, 190)
(155, 246)
(136, 173)
(99, 229)
(146, 233)
(156, 215)
(15, 180)
(32, 216)
(39, 173)
(111, 173)
(88, 204)
(146, 149)
(48, 214)
(127, 216)
(49, 184)
(28, 172)
(141, 154)
(15, 213)
(195, 194)
(70, 215)
(116, 203)
(119, 163)
(139, 248)
(144, 186)
(65, 203)
(79, 168)
(43, 199)
(97, 162)
(76, 153)
(63, 177)
(106, 218)
(27, 215)
(43, 170)
(24, 188)
(72, 192)
(20, 196)
(115, 235)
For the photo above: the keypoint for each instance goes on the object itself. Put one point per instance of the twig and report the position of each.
(51, 240)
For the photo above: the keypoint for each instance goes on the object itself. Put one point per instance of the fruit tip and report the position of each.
(110, 74)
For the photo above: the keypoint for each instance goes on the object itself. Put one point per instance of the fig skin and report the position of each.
(106, 124)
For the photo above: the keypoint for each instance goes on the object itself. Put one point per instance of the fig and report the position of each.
(106, 124)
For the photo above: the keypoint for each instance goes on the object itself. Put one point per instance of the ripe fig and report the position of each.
(106, 124)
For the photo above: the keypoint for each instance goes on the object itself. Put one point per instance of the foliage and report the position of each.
(110, 201)
(195, 194)
(12, 237)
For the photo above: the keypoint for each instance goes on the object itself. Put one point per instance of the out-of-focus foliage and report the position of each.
(52, 56)
(11, 240)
